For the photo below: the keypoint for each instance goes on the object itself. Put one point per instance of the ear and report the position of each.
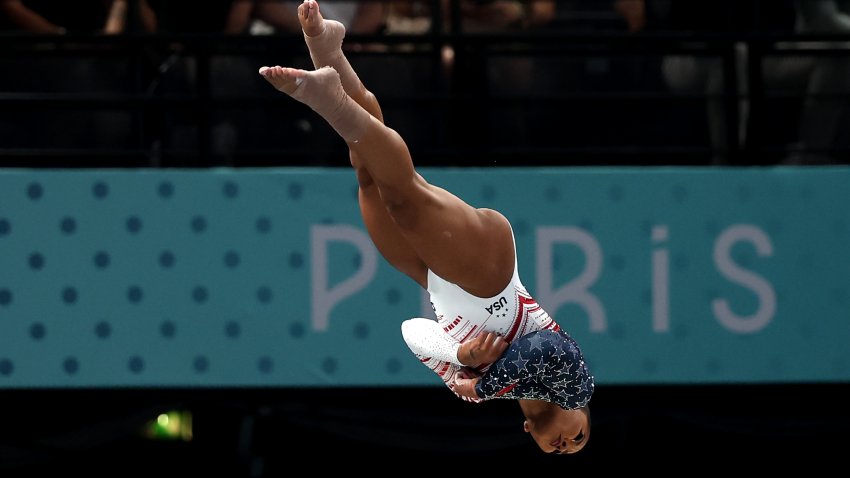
(525, 426)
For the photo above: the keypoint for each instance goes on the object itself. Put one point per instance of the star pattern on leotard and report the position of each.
(544, 365)
(519, 362)
(535, 342)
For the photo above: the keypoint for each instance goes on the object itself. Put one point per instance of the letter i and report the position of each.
(660, 280)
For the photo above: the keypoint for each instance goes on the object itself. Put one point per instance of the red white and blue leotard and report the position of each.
(543, 362)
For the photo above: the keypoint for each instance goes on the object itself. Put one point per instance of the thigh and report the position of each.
(470, 247)
(388, 239)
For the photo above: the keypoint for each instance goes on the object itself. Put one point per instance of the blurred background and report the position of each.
(615, 89)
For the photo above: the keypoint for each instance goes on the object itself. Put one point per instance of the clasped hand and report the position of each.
(484, 349)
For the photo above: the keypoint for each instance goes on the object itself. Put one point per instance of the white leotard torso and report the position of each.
(462, 316)
(511, 313)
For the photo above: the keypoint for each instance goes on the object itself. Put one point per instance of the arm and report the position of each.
(512, 368)
(28, 19)
(434, 348)
(546, 365)
(445, 356)
(147, 16)
(370, 18)
(426, 338)
(497, 14)
(279, 15)
(633, 13)
(116, 20)
(502, 377)
(823, 16)
(541, 12)
(521, 363)
(239, 16)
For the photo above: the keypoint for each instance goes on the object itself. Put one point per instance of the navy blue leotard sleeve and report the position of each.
(543, 365)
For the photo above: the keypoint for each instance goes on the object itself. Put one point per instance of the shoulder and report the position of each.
(492, 214)
(495, 221)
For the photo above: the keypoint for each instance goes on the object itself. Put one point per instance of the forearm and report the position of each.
(371, 16)
(279, 15)
(27, 19)
(497, 14)
(147, 16)
(239, 17)
(540, 12)
(116, 21)
(503, 374)
(437, 351)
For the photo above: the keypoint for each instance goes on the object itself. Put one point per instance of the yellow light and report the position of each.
(172, 425)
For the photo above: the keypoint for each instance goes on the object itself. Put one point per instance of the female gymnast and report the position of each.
(491, 339)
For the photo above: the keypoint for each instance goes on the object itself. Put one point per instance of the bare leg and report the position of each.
(468, 246)
(324, 40)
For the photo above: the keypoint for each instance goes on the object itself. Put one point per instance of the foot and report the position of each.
(319, 89)
(311, 18)
(324, 35)
(283, 79)
(322, 91)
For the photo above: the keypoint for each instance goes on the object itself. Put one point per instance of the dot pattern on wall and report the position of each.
(209, 278)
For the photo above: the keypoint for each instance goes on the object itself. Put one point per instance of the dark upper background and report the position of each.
(590, 82)
(599, 83)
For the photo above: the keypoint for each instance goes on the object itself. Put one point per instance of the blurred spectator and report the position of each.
(491, 68)
(222, 74)
(61, 17)
(824, 117)
(476, 16)
(823, 80)
(85, 69)
(700, 74)
(219, 16)
(364, 17)
(502, 15)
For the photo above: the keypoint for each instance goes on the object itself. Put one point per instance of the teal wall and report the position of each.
(266, 277)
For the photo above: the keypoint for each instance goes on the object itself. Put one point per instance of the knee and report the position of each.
(373, 106)
(398, 200)
(364, 179)
(402, 204)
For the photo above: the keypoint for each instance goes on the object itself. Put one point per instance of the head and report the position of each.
(560, 431)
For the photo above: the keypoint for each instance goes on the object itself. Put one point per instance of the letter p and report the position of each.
(323, 297)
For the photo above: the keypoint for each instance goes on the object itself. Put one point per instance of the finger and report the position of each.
(499, 343)
(488, 340)
(491, 339)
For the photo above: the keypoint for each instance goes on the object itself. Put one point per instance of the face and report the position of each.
(566, 433)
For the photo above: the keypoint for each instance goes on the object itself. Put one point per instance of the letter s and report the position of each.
(729, 269)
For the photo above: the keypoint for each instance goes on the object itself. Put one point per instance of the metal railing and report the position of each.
(549, 97)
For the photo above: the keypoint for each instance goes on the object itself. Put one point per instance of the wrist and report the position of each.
(461, 354)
